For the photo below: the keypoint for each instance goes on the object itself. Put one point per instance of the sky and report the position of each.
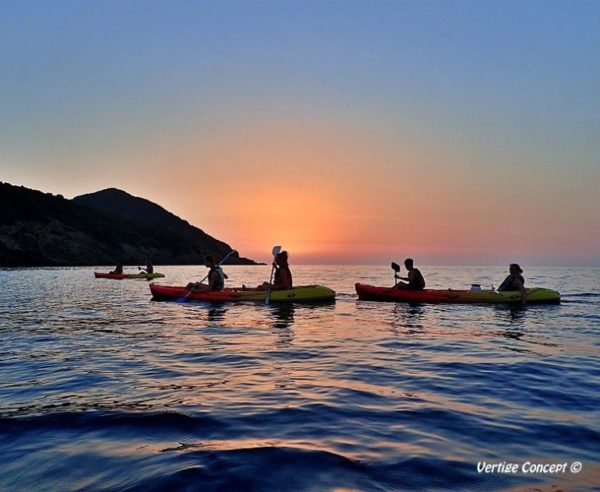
(350, 131)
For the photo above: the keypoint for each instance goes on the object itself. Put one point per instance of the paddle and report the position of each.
(275, 252)
(185, 298)
(396, 269)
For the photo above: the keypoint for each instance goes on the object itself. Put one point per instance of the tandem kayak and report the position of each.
(535, 295)
(305, 293)
(122, 276)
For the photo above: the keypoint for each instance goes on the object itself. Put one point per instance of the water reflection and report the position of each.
(513, 313)
(512, 334)
(216, 313)
(283, 320)
(407, 316)
(526, 325)
(283, 315)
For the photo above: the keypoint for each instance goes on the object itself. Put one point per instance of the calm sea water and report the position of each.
(102, 389)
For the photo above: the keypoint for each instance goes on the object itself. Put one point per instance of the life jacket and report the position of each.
(417, 283)
(278, 280)
(220, 281)
(507, 284)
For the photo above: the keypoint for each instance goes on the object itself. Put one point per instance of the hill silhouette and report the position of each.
(102, 228)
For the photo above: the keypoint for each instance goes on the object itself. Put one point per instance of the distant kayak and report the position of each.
(122, 276)
(306, 293)
(536, 295)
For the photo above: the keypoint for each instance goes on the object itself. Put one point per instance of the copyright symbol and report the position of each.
(576, 467)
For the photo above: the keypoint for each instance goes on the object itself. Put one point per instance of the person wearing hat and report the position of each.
(514, 281)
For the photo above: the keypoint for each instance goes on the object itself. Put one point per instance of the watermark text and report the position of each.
(529, 467)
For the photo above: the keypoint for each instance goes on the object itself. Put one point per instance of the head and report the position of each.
(209, 261)
(282, 258)
(515, 269)
(409, 263)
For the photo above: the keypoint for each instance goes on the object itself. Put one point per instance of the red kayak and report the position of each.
(534, 295)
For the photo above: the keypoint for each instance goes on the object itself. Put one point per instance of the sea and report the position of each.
(103, 389)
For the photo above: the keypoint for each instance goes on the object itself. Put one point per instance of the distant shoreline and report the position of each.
(108, 227)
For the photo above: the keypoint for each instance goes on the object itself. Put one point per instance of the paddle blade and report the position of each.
(395, 267)
(185, 297)
(276, 250)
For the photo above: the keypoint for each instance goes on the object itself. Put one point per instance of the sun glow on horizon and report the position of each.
(338, 193)
(265, 126)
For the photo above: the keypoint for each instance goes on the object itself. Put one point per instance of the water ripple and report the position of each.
(101, 389)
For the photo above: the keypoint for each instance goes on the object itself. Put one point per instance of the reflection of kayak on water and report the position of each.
(305, 293)
(536, 295)
(122, 276)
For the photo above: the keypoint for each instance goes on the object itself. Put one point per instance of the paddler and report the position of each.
(216, 277)
(149, 270)
(414, 278)
(283, 275)
(514, 281)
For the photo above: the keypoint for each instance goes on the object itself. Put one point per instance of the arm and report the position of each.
(277, 280)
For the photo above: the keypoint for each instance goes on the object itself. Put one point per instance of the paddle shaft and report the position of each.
(268, 298)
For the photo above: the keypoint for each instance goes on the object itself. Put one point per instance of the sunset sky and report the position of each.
(347, 131)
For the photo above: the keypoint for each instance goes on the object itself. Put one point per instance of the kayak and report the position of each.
(536, 295)
(121, 276)
(305, 293)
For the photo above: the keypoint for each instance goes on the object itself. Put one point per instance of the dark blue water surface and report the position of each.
(102, 389)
